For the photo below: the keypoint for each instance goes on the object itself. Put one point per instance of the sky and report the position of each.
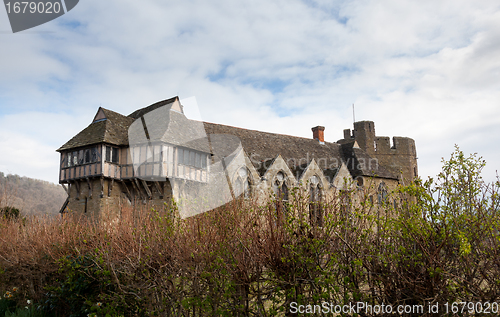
(429, 70)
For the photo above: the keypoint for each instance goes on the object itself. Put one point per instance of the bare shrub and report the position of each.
(439, 243)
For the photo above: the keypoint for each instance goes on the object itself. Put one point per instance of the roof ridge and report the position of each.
(142, 111)
(120, 116)
(109, 110)
(279, 134)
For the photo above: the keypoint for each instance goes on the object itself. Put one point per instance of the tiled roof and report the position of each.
(112, 130)
(296, 151)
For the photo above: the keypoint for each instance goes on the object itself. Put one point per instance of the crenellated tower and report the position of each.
(400, 157)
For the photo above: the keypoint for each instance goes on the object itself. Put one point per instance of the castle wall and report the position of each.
(400, 158)
(87, 200)
(105, 197)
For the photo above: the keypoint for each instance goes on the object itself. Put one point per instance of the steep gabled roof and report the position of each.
(112, 129)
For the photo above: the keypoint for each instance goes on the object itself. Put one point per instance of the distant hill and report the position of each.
(31, 196)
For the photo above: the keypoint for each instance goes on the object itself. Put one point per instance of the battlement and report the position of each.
(364, 134)
(399, 156)
(400, 145)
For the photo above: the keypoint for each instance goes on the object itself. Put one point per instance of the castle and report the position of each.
(157, 154)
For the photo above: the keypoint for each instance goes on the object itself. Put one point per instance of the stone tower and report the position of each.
(400, 158)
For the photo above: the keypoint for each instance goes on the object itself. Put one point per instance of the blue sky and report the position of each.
(429, 70)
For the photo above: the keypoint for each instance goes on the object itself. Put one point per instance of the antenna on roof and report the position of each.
(353, 115)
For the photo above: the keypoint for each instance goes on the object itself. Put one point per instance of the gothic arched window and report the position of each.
(281, 191)
(242, 183)
(315, 204)
(382, 193)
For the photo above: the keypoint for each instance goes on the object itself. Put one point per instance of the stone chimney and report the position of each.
(319, 134)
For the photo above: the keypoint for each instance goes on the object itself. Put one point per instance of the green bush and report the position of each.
(28, 311)
(438, 243)
(6, 305)
(85, 287)
(9, 212)
(10, 306)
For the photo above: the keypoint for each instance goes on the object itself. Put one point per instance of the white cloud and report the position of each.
(427, 70)
(29, 140)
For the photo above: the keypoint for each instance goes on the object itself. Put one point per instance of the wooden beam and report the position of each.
(160, 168)
(159, 189)
(77, 184)
(64, 206)
(137, 187)
(90, 187)
(66, 189)
(127, 190)
(168, 189)
(148, 191)
(110, 186)
(102, 187)
(174, 161)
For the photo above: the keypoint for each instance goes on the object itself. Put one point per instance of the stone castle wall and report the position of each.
(105, 199)
(400, 158)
